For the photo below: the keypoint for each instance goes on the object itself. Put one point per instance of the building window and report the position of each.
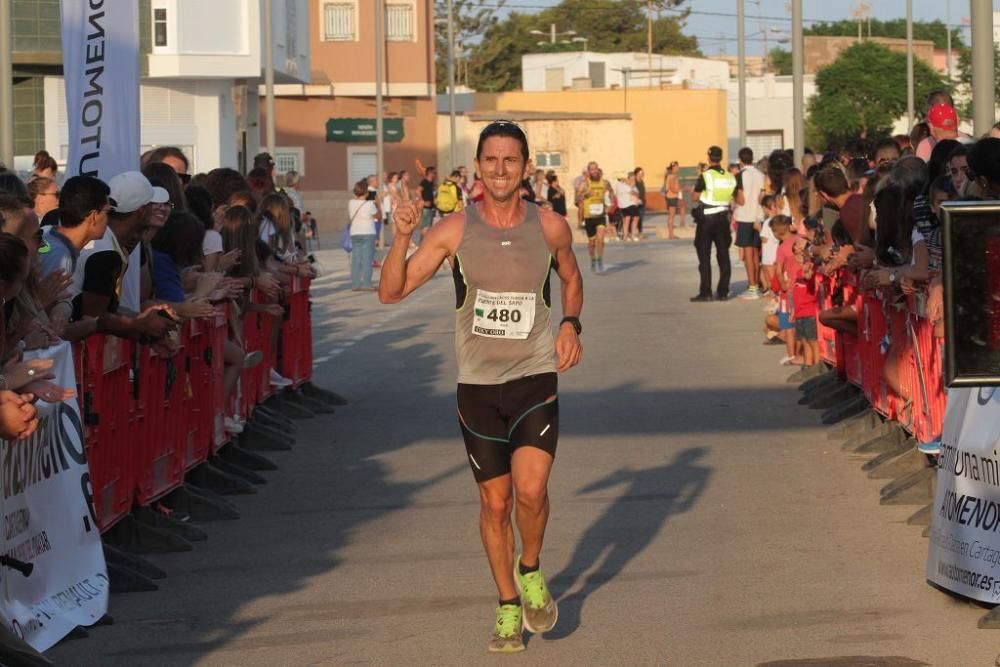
(338, 21)
(159, 27)
(551, 159)
(399, 22)
(289, 159)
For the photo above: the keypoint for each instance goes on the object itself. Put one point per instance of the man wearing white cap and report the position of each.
(102, 267)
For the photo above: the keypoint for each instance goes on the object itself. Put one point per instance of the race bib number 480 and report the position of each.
(507, 315)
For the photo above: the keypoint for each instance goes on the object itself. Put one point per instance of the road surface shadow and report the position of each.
(625, 529)
(622, 267)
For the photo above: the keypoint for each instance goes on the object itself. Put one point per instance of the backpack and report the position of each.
(447, 199)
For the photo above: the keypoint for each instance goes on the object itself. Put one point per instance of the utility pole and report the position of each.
(741, 70)
(379, 112)
(909, 65)
(984, 101)
(947, 25)
(649, 41)
(6, 88)
(451, 81)
(269, 75)
(798, 72)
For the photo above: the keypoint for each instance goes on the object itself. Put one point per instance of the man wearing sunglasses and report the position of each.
(502, 251)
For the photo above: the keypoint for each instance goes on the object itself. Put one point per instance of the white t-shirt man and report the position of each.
(623, 192)
(751, 181)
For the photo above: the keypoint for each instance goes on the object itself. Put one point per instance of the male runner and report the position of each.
(502, 251)
(593, 192)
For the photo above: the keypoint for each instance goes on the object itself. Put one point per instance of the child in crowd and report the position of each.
(788, 271)
(778, 324)
(806, 306)
(769, 243)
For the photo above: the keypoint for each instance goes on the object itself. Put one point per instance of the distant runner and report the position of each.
(502, 251)
(594, 193)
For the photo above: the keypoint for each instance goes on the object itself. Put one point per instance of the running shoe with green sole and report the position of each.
(507, 636)
(540, 610)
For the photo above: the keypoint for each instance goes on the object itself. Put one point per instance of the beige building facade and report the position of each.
(673, 124)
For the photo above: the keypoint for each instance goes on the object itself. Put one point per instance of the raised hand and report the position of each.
(406, 218)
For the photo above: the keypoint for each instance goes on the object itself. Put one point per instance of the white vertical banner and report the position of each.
(49, 521)
(100, 48)
(964, 551)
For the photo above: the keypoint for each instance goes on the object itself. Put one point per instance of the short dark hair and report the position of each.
(11, 205)
(781, 221)
(503, 128)
(455, 173)
(13, 256)
(767, 201)
(199, 202)
(714, 153)
(984, 158)
(832, 182)
(360, 188)
(746, 155)
(222, 183)
(81, 195)
(939, 96)
(10, 182)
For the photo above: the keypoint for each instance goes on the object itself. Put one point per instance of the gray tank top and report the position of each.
(502, 285)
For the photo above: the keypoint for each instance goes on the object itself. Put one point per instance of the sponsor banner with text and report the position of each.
(48, 520)
(964, 552)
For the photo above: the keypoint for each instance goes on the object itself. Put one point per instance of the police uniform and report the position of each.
(717, 187)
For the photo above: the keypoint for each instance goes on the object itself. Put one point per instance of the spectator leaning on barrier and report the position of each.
(101, 268)
(83, 217)
(29, 324)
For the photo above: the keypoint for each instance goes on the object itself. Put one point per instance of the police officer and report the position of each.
(714, 190)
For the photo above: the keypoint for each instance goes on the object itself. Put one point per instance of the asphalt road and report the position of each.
(699, 516)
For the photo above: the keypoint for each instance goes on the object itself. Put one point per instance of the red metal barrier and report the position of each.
(888, 326)
(164, 424)
(296, 335)
(108, 425)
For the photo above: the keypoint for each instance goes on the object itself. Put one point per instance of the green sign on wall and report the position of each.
(363, 129)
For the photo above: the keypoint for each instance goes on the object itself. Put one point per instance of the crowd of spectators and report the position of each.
(134, 256)
(868, 213)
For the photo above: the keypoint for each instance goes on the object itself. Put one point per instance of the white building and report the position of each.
(200, 76)
(770, 122)
(586, 69)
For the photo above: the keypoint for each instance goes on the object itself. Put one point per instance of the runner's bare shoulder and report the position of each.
(555, 229)
(447, 233)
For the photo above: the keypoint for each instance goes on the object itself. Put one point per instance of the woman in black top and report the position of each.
(556, 195)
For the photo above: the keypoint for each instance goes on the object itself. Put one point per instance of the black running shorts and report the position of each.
(496, 419)
(592, 224)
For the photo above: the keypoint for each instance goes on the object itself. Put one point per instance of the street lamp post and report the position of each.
(984, 101)
(451, 81)
(741, 65)
(6, 88)
(379, 111)
(909, 65)
(798, 71)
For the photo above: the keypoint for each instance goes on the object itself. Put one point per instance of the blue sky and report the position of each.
(714, 21)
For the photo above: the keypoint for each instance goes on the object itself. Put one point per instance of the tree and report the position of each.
(935, 31)
(965, 78)
(863, 92)
(779, 62)
(607, 25)
(472, 18)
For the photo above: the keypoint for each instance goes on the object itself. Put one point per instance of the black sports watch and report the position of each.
(575, 321)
